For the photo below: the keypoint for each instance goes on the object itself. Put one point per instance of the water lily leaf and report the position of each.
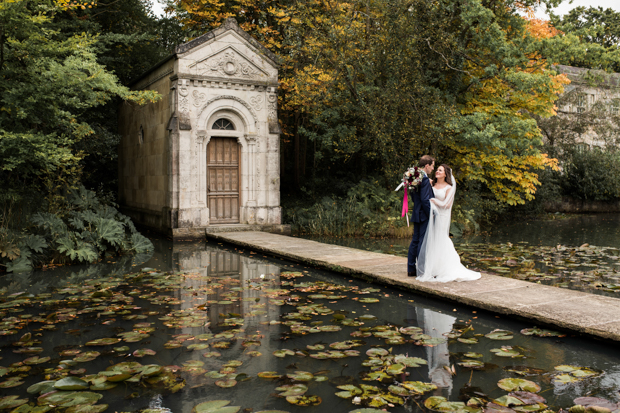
(508, 401)
(283, 353)
(524, 370)
(226, 383)
(410, 330)
(304, 400)
(565, 379)
(11, 382)
(377, 352)
(103, 342)
(409, 361)
(498, 334)
(86, 356)
(103, 386)
(144, 352)
(41, 387)
(210, 354)
(269, 375)
(71, 383)
(69, 398)
(473, 355)
(507, 352)
(36, 360)
(399, 391)
(596, 401)
(214, 375)
(528, 397)
(539, 332)
(315, 347)
(292, 390)
(151, 370)
(97, 408)
(11, 402)
(418, 387)
(496, 408)
(511, 384)
(198, 346)
(215, 406)
(329, 328)
(301, 376)
(467, 340)
(121, 349)
(440, 404)
(395, 369)
(471, 364)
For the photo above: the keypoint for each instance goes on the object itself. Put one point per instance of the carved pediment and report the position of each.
(228, 63)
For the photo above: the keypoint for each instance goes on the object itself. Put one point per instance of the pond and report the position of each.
(198, 323)
(579, 252)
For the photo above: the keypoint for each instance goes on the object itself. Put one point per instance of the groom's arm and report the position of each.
(426, 193)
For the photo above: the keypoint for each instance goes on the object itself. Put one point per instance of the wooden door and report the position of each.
(223, 180)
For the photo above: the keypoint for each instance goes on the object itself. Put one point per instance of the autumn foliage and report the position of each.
(369, 86)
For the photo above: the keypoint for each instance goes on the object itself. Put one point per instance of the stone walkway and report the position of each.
(576, 311)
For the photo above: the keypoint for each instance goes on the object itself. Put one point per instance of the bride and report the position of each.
(438, 260)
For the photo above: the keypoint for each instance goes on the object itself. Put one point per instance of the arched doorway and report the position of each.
(223, 173)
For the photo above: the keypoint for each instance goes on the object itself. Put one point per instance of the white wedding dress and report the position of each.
(438, 260)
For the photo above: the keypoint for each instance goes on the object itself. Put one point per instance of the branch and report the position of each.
(446, 59)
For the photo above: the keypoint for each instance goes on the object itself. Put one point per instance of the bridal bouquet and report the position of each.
(411, 179)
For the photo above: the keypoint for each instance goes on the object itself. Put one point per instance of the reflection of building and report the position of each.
(207, 153)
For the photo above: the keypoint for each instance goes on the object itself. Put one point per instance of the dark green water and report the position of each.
(578, 252)
(223, 284)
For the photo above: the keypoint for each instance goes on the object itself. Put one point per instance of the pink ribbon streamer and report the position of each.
(405, 204)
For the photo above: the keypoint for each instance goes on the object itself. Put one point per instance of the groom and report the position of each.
(421, 212)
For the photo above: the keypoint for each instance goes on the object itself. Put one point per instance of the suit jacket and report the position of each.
(422, 201)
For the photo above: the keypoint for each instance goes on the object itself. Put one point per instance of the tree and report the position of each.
(48, 81)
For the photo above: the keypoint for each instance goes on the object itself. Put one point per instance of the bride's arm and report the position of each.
(446, 203)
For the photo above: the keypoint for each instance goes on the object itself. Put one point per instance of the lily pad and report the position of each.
(301, 376)
(144, 352)
(71, 383)
(215, 406)
(287, 390)
(69, 398)
(103, 342)
(499, 334)
(441, 404)
(269, 375)
(304, 400)
(512, 384)
(539, 332)
(226, 383)
(283, 353)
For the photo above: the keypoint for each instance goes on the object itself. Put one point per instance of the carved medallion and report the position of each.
(229, 64)
(257, 102)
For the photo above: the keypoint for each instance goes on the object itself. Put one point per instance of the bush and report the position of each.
(591, 175)
(83, 231)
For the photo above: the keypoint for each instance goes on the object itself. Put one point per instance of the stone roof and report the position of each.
(593, 77)
(229, 24)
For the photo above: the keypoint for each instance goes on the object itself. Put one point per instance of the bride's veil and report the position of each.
(430, 251)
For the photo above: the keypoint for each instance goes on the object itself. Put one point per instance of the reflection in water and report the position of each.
(437, 325)
(253, 302)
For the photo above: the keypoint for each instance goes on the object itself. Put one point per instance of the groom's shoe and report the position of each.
(412, 274)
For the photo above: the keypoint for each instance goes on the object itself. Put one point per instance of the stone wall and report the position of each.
(144, 150)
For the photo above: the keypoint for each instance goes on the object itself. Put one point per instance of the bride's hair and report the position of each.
(448, 172)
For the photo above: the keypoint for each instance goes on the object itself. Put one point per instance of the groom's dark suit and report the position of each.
(421, 212)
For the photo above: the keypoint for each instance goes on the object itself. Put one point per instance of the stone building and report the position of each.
(588, 111)
(206, 156)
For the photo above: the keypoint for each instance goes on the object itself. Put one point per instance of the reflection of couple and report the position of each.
(432, 256)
